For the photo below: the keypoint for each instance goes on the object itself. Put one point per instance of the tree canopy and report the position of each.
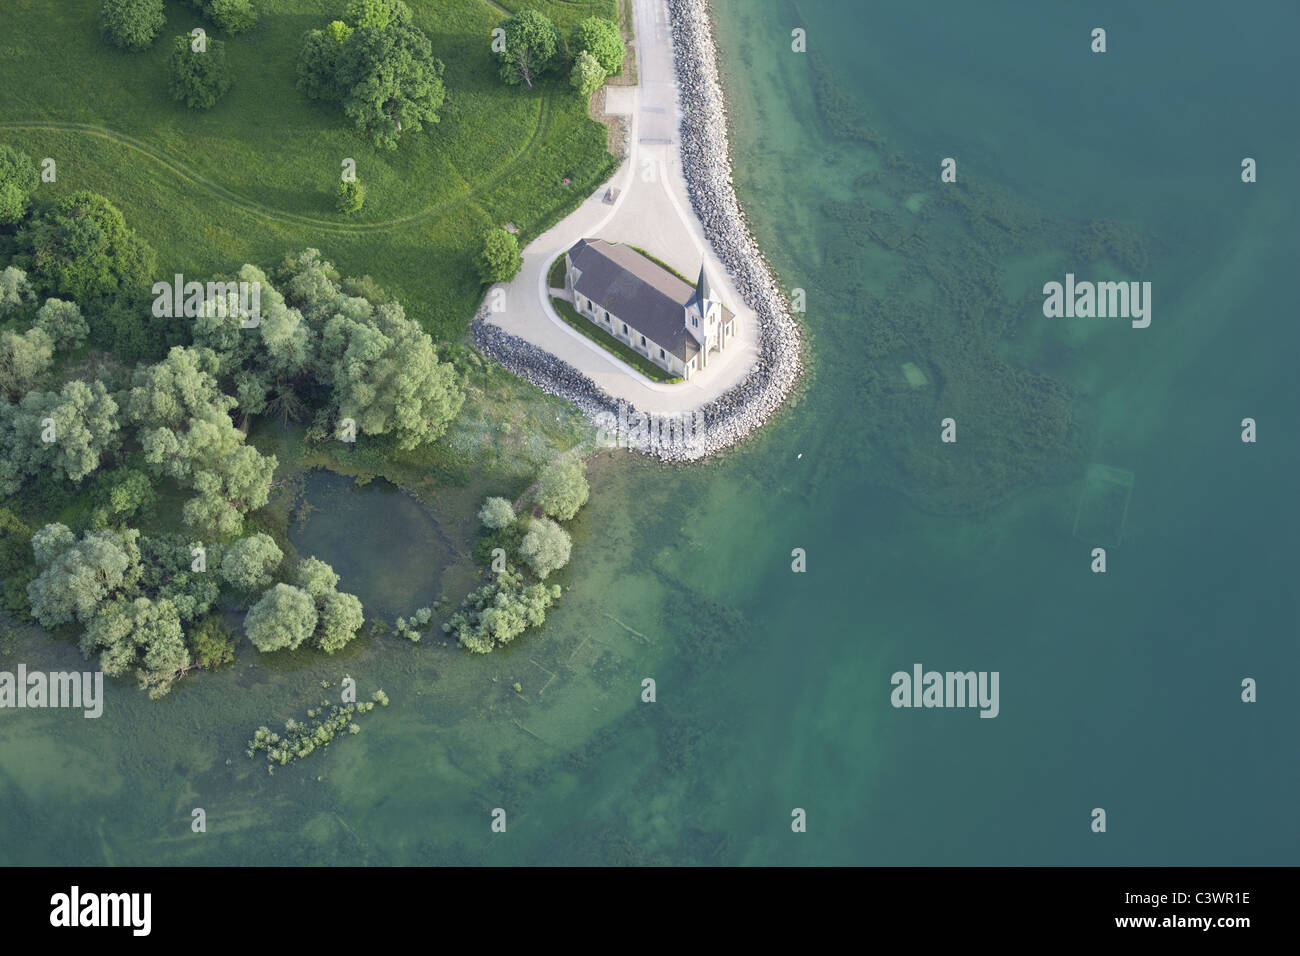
(545, 547)
(600, 38)
(499, 260)
(199, 77)
(530, 47)
(18, 179)
(562, 488)
(131, 24)
(587, 74)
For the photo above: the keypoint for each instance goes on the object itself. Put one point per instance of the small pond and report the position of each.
(385, 547)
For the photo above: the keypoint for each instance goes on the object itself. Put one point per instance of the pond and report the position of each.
(385, 547)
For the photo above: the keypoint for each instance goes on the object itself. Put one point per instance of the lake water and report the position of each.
(1118, 690)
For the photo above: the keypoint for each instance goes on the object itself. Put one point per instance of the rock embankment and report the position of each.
(707, 169)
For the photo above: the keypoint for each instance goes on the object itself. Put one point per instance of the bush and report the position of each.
(131, 24)
(199, 79)
(587, 74)
(18, 177)
(351, 197)
(601, 39)
(233, 16)
(499, 261)
(546, 547)
(63, 323)
(497, 513)
(562, 489)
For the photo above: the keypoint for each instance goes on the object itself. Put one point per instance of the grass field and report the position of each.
(602, 338)
(254, 177)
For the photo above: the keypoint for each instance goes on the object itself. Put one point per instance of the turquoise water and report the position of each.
(1117, 690)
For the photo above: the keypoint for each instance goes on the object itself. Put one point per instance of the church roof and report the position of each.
(638, 291)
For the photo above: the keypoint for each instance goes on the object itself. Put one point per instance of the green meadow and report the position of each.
(255, 176)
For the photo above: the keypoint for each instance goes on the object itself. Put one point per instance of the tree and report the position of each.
(233, 16)
(387, 378)
(82, 250)
(500, 611)
(78, 576)
(531, 43)
(600, 38)
(199, 78)
(587, 74)
(63, 323)
(316, 578)
(377, 13)
(390, 82)
(119, 495)
(121, 629)
(249, 564)
(168, 573)
(340, 619)
(18, 179)
(70, 430)
(282, 619)
(546, 547)
(499, 259)
(24, 360)
(562, 489)
(15, 291)
(351, 197)
(131, 24)
(497, 513)
(318, 61)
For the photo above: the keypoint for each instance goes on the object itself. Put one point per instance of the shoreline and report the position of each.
(751, 402)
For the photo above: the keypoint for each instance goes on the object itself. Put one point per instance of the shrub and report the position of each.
(499, 260)
(601, 39)
(199, 79)
(351, 197)
(497, 513)
(587, 74)
(131, 24)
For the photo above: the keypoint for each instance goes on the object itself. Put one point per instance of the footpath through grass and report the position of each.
(255, 177)
(602, 338)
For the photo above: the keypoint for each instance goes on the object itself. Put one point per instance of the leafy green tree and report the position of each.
(318, 61)
(500, 611)
(282, 619)
(17, 565)
(386, 376)
(499, 259)
(562, 487)
(139, 633)
(131, 24)
(18, 179)
(63, 323)
(390, 82)
(531, 44)
(24, 360)
(600, 38)
(70, 431)
(168, 573)
(15, 291)
(587, 74)
(377, 14)
(315, 577)
(119, 495)
(82, 250)
(199, 78)
(213, 642)
(545, 547)
(340, 619)
(250, 563)
(76, 577)
(351, 197)
(233, 16)
(496, 513)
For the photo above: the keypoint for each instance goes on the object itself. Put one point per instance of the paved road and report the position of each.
(652, 212)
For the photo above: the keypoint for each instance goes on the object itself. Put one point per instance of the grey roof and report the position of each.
(703, 290)
(638, 291)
